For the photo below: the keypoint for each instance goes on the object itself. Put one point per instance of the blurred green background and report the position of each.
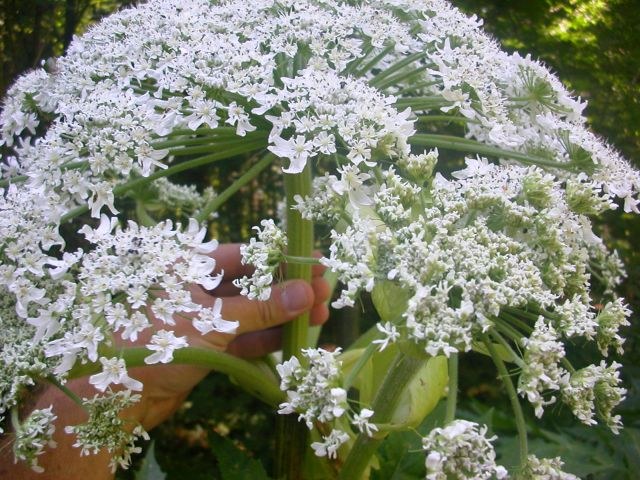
(594, 47)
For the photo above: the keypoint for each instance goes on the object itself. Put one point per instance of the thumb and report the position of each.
(288, 300)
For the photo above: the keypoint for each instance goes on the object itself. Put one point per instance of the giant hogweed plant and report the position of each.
(352, 100)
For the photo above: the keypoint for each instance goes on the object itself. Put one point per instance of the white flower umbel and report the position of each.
(576, 319)
(545, 469)
(265, 254)
(105, 429)
(351, 257)
(461, 451)
(23, 359)
(541, 371)
(609, 320)
(154, 87)
(33, 436)
(326, 205)
(313, 392)
(127, 270)
(595, 388)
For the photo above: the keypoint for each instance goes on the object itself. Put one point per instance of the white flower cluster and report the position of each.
(22, 359)
(545, 469)
(33, 435)
(105, 429)
(315, 393)
(610, 319)
(541, 371)
(595, 388)
(461, 451)
(496, 237)
(316, 80)
(53, 317)
(351, 257)
(265, 254)
(325, 206)
(126, 271)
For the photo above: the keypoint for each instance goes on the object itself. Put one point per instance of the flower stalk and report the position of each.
(452, 395)
(248, 376)
(291, 434)
(399, 374)
(503, 373)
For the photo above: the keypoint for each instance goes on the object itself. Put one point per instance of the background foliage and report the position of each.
(594, 47)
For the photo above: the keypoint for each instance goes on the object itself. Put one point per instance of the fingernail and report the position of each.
(294, 297)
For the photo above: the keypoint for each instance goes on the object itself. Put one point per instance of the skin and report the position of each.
(167, 386)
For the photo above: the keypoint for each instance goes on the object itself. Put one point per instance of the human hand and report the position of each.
(259, 332)
(166, 385)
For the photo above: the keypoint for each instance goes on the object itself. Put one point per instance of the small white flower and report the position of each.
(361, 421)
(114, 371)
(164, 343)
(390, 333)
(352, 183)
(329, 447)
(475, 167)
(210, 319)
(297, 149)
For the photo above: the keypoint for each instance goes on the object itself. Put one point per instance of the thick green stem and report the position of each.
(379, 80)
(301, 260)
(513, 398)
(452, 394)
(300, 244)
(400, 373)
(422, 103)
(507, 347)
(362, 361)
(246, 374)
(291, 435)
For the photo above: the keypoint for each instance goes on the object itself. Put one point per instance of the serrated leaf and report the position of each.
(235, 464)
(150, 469)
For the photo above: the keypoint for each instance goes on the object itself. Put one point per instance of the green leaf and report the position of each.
(423, 393)
(233, 463)
(390, 300)
(150, 470)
